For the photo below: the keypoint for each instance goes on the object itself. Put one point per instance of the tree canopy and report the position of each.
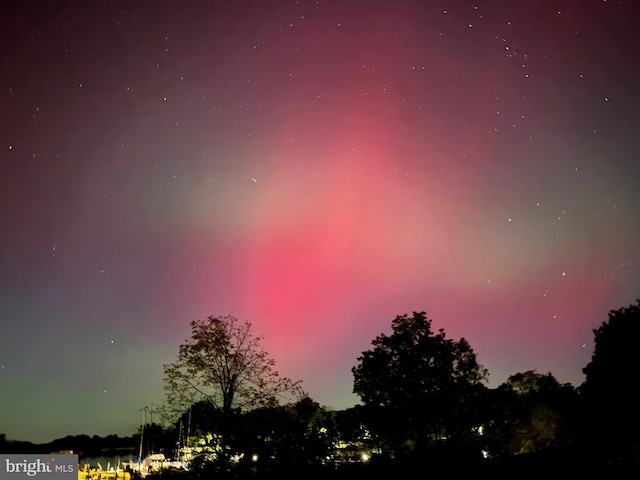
(531, 412)
(611, 388)
(224, 364)
(424, 382)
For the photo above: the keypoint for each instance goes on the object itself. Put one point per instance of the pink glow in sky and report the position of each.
(315, 168)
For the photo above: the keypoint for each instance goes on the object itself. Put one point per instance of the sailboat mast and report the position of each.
(143, 421)
(189, 425)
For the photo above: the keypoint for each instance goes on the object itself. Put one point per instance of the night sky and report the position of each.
(316, 168)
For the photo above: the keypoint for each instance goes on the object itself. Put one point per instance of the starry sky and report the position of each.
(315, 168)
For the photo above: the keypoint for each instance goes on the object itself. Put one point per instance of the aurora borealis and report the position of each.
(315, 168)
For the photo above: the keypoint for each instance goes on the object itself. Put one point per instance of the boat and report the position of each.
(154, 463)
(98, 473)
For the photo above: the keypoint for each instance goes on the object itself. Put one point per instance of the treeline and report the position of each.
(425, 405)
(84, 445)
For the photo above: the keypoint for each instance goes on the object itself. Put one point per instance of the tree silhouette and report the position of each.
(224, 366)
(532, 412)
(300, 433)
(418, 386)
(611, 388)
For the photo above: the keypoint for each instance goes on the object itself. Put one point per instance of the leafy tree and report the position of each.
(223, 365)
(354, 438)
(276, 439)
(532, 412)
(611, 388)
(418, 386)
